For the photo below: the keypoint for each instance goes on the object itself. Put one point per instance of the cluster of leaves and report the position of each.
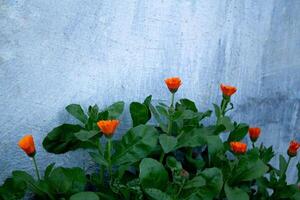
(179, 158)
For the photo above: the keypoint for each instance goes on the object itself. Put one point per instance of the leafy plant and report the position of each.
(179, 156)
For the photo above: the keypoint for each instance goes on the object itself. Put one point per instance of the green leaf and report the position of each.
(173, 164)
(282, 165)
(235, 193)
(49, 170)
(98, 158)
(226, 122)
(62, 139)
(136, 144)
(214, 144)
(167, 142)
(76, 111)
(238, 133)
(84, 196)
(31, 184)
(153, 174)
(68, 180)
(157, 118)
(186, 104)
(214, 183)
(214, 179)
(139, 113)
(12, 189)
(115, 110)
(193, 138)
(217, 111)
(157, 194)
(84, 135)
(196, 182)
(163, 111)
(249, 168)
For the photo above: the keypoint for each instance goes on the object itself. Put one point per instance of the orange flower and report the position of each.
(293, 148)
(254, 133)
(27, 144)
(238, 147)
(108, 127)
(228, 90)
(173, 83)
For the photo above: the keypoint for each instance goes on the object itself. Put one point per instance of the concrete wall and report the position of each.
(57, 52)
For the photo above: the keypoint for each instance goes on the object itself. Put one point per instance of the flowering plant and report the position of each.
(177, 157)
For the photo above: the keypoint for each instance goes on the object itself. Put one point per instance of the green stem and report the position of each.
(161, 158)
(180, 189)
(109, 157)
(253, 145)
(172, 100)
(224, 105)
(36, 168)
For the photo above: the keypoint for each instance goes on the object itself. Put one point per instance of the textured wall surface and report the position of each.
(57, 52)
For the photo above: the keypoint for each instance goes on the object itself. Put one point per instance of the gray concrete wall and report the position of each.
(57, 52)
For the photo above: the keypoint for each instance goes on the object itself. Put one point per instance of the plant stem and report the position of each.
(161, 158)
(253, 145)
(224, 104)
(172, 100)
(109, 157)
(36, 168)
(180, 189)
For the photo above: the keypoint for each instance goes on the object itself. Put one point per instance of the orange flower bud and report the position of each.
(108, 127)
(254, 133)
(173, 83)
(228, 90)
(238, 147)
(293, 148)
(27, 144)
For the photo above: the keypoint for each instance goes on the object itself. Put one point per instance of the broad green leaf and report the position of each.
(173, 164)
(186, 104)
(148, 99)
(167, 142)
(32, 184)
(238, 133)
(217, 111)
(115, 110)
(49, 170)
(196, 182)
(156, 194)
(68, 180)
(163, 111)
(235, 193)
(214, 183)
(76, 111)
(84, 135)
(136, 144)
(98, 158)
(84, 196)
(214, 179)
(214, 144)
(139, 113)
(193, 138)
(225, 121)
(62, 139)
(13, 189)
(249, 168)
(153, 174)
(157, 118)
